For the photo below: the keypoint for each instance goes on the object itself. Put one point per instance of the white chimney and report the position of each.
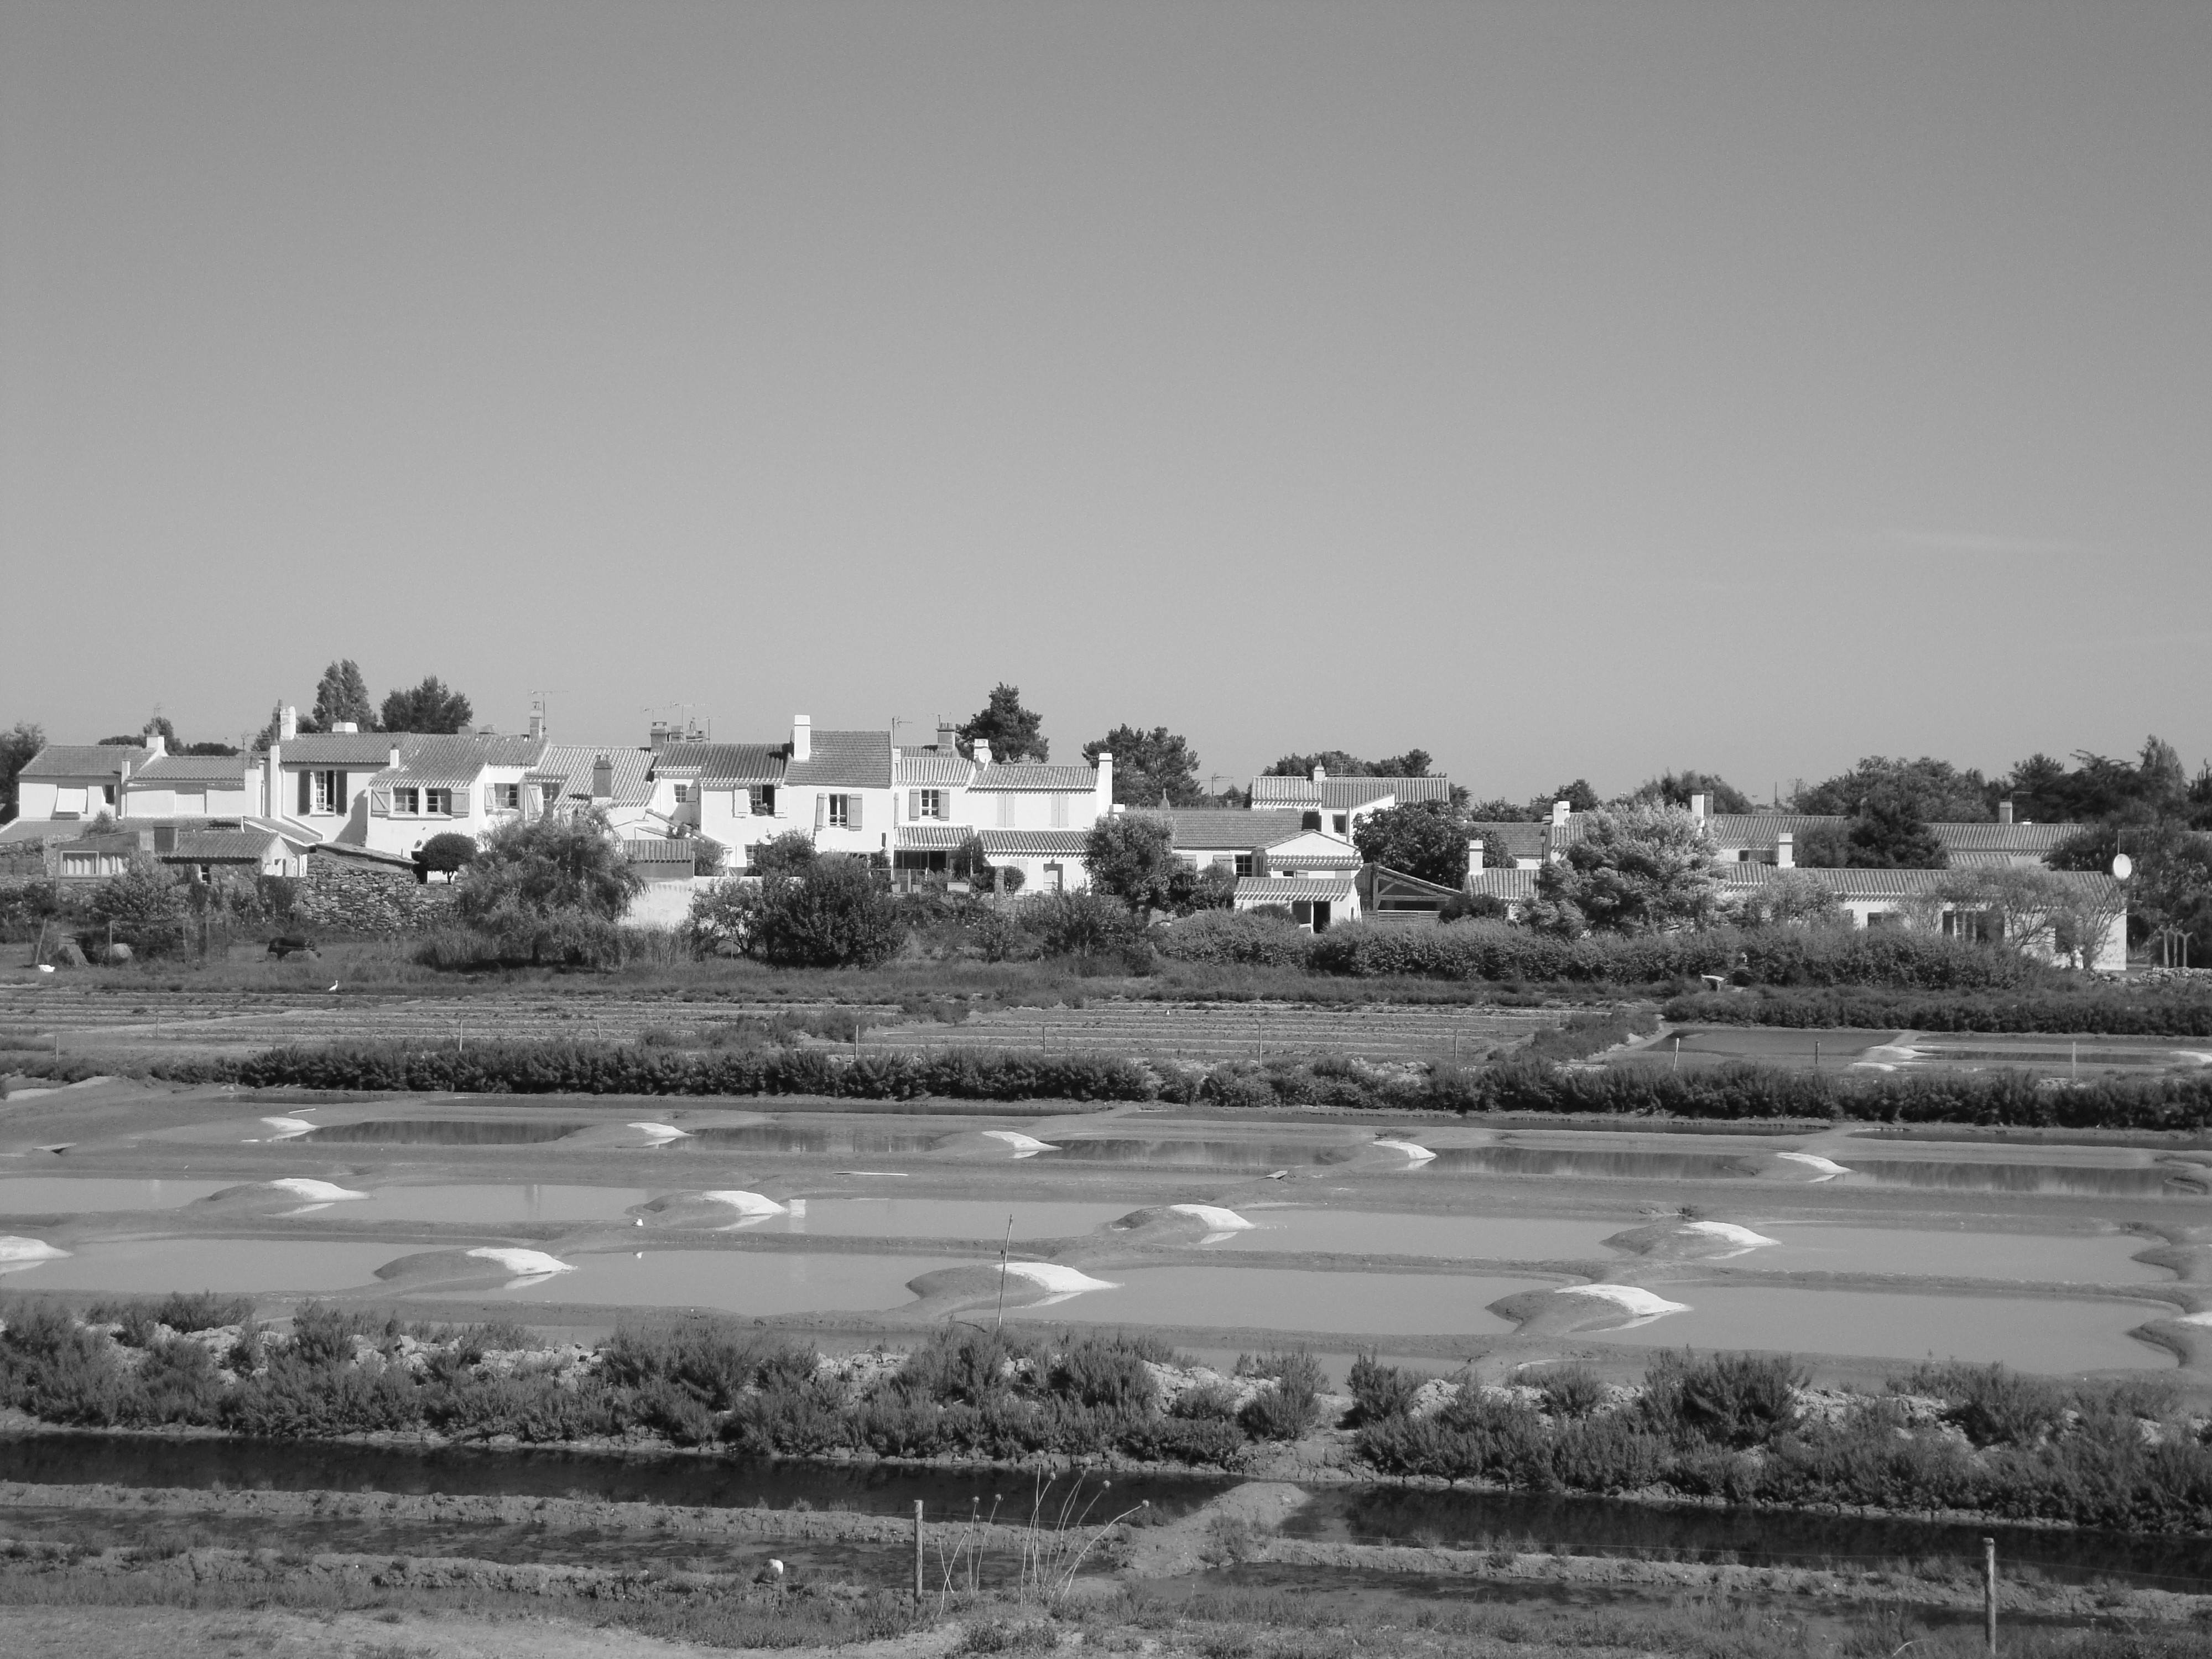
(287, 725)
(2005, 812)
(983, 751)
(802, 737)
(1474, 856)
(1785, 850)
(156, 744)
(349, 727)
(1321, 775)
(1700, 804)
(1105, 775)
(536, 726)
(603, 778)
(1559, 815)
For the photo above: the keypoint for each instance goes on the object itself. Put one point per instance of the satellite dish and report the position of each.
(2123, 865)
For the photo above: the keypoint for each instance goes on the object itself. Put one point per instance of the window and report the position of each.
(929, 804)
(108, 793)
(80, 864)
(683, 794)
(507, 798)
(1885, 918)
(70, 803)
(1244, 864)
(1059, 811)
(762, 798)
(1340, 822)
(841, 812)
(407, 801)
(325, 787)
(438, 803)
(207, 874)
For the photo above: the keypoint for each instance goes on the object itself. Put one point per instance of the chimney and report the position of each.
(948, 740)
(2005, 812)
(603, 778)
(1105, 775)
(983, 751)
(1321, 775)
(156, 745)
(538, 726)
(658, 737)
(1700, 805)
(802, 737)
(1559, 815)
(1474, 856)
(1785, 850)
(288, 723)
(348, 727)
(394, 761)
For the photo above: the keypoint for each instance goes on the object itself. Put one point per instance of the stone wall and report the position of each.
(340, 895)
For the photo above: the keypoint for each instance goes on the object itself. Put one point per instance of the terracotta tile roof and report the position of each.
(1760, 830)
(221, 846)
(937, 770)
(349, 749)
(167, 770)
(1519, 841)
(1345, 792)
(83, 760)
(854, 760)
(1025, 775)
(1280, 890)
(720, 765)
(1881, 884)
(1512, 885)
(1037, 843)
(570, 765)
(1203, 829)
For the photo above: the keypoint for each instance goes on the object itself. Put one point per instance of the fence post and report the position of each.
(1989, 1588)
(917, 1558)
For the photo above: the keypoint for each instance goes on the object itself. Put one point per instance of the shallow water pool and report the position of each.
(1293, 1300)
(1361, 1232)
(1593, 1162)
(441, 1132)
(83, 1195)
(758, 1283)
(940, 1218)
(2151, 1181)
(2033, 1333)
(839, 1142)
(1202, 1154)
(486, 1201)
(158, 1266)
(2057, 1258)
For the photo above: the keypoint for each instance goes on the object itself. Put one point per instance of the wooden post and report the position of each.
(917, 1556)
(1989, 1588)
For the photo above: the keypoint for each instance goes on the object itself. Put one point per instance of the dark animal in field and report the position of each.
(289, 945)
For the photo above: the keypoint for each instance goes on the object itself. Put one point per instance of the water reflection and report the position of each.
(440, 1132)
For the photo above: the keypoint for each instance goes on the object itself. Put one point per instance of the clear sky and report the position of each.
(1568, 389)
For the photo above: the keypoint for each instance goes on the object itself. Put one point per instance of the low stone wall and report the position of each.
(340, 895)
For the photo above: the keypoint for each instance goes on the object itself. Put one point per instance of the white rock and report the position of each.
(523, 1264)
(16, 1252)
(1642, 1306)
(1416, 1154)
(1023, 1146)
(1061, 1281)
(1828, 1167)
(1729, 1232)
(661, 1133)
(286, 1128)
(314, 1192)
(756, 1205)
(1216, 1218)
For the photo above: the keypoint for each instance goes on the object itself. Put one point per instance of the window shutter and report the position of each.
(1059, 811)
(821, 811)
(338, 791)
(380, 802)
(852, 804)
(1006, 810)
(307, 793)
(914, 805)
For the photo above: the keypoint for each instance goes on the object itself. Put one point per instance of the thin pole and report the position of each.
(917, 1556)
(1005, 1250)
(1988, 1587)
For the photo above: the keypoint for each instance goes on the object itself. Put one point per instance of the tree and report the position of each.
(1790, 897)
(341, 695)
(1636, 870)
(431, 708)
(1579, 796)
(1150, 769)
(159, 724)
(19, 746)
(1499, 810)
(210, 748)
(1675, 789)
(2100, 788)
(1423, 839)
(562, 862)
(838, 914)
(1010, 729)
(790, 853)
(1933, 790)
(1889, 834)
(444, 855)
(969, 864)
(145, 906)
(1341, 764)
(2033, 909)
(1131, 857)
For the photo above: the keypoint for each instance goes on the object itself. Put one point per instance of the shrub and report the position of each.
(180, 1310)
(557, 865)
(1289, 1407)
(1729, 1399)
(443, 854)
(1381, 1390)
(1236, 936)
(2084, 1009)
(1995, 1406)
(145, 905)
(1076, 924)
(1569, 1391)
(838, 914)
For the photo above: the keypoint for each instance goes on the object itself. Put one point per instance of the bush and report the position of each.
(560, 865)
(1569, 1391)
(1289, 1407)
(1381, 1391)
(180, 1310)
(1585, 1035)
(1236, 936)
(145, 907)
(1729, 1399)
(2089, 1010)
(838, 914)
(444, 855)
(1077, 923)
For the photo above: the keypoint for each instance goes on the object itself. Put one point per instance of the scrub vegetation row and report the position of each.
(1736, 1427)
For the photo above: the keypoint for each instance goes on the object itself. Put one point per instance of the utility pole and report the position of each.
(1989, 1587)
(917, 1560)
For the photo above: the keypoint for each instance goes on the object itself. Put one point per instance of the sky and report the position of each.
(1567, 389)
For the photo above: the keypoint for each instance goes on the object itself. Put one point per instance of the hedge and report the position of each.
(1765, 955)
(2103, 1011)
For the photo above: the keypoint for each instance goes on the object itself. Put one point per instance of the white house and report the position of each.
(194, 787)
(1341, 802)
(66, 783)
(390, 792)
(1316, 903)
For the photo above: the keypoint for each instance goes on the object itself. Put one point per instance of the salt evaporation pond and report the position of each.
(1293, 1299)
(441, 1132)
(467, 1202)
(1202, 1154)
(2031, 1333)
(835, 1141)
(1610, 1165)
(155, 1267)
(2049, 1258)
(940, 1218)
(756, 1283)
(85, 1195)
(1978, 1175)
(1365, 1232)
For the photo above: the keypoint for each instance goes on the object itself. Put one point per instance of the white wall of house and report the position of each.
(71, 797)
